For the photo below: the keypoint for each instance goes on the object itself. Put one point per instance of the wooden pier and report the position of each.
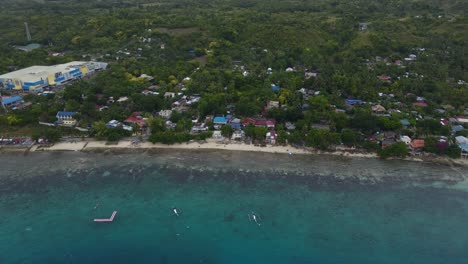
(110, 219)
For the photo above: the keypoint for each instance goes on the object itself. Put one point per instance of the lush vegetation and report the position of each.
(221, 50)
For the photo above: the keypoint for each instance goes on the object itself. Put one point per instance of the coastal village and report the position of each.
(400, 124)
(182, 85)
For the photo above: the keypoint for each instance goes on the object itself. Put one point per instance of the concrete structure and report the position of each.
(37, 77)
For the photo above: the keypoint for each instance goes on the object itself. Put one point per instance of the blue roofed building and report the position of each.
(66, 118)
(275, 87)
(219, 121)
(354, 102)
(405, 122)
(235, 123)
(12, 101)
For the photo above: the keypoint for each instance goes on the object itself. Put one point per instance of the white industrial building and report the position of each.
(35, 78)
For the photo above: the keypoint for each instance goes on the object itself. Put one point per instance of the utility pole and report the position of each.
(28, 34)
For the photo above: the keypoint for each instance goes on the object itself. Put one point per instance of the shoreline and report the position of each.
(127, 146)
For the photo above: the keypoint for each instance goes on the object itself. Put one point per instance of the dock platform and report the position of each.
(106, 219)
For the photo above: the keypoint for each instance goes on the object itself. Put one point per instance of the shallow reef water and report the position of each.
(310, 209)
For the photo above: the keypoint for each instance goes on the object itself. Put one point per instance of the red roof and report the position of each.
(248, 121)
(136, 120)
(420, 104)
(258, 122)
(417, 143)
(384, 77)
(265, 123)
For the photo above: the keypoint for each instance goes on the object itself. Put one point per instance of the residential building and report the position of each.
(169, 95)
(259, 122)
(271, 137)
(354, 102)
(66, 118)
(220, 120)
(238, 135)
(11, 101)
(272, 105)
(378, 109)
(235, 123)
(417, 144)
(136, 119)
(167, 114)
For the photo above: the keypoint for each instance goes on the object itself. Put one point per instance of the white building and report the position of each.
(165, 114)
(38, 77)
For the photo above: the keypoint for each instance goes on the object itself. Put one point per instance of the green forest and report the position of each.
(406, 56)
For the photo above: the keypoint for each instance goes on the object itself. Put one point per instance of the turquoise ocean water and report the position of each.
(312, 209)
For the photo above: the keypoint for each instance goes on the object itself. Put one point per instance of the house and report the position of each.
(354, 102)
(272, 105)
(235, 123)
(136, 119)
(209, 118)
(378, 109)
(170, 125)
(462, 119)
(260, 122)
(405, 122)
(116, 124)
(363, 26)
(192, 99)
(166, 114)
(199, 129)
(122, 99)
(457, 128)
(217, 134)
(390, 135)
(417, 144)
(66, 118)
(113, 124)
(290, 126)
(13, 101)
(406, 140)
(310, 74)
(169, 95)
(420, 104)
(271, 137)
(153, 87)
(148, 92)
(220, 120)
(147, 77)
(238, 135)
(387, 142)
(461, 140)
(384, 78)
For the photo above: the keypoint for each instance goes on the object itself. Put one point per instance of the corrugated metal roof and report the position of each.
(10, 100)
(63, 113)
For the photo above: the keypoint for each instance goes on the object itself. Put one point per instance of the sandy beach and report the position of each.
(214, 145)
(127, 145)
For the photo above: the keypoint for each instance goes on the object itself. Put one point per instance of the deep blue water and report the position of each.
(46, 214)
